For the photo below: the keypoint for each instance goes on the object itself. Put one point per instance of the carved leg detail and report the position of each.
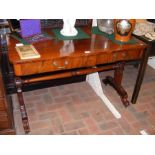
(22, 105)
(116, 83)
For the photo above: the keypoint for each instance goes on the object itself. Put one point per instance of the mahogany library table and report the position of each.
(66, 58)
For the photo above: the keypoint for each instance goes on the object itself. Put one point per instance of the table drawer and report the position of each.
(27, 68)
(62, 64)
(125, 55)
(54, 65)
(49, 66)
(2, 104)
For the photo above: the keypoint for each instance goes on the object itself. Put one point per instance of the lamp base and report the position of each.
(68, 28)
(71, 32)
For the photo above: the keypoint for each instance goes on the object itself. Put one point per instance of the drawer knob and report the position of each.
(60, 67)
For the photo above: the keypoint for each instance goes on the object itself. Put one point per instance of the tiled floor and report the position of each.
(76, 109)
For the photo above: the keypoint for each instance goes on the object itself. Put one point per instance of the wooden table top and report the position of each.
(52, 48)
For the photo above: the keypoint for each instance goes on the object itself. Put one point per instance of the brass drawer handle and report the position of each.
(60, 67)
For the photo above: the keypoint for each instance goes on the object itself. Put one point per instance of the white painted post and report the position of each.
(151, 62)
(143, 132)
(94, 81)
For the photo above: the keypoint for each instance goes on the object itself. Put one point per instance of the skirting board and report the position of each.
(94, 81)
(151, 62)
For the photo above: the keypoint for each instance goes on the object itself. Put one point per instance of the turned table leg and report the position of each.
(141, 74)
(116, 82)
(18, 83)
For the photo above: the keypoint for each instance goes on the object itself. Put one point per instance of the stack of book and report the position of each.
(27, 51)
